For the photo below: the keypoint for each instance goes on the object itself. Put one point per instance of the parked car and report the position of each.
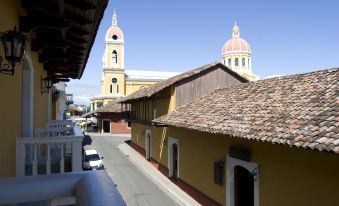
(92, 160)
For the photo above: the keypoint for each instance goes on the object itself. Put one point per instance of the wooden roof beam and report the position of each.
(40, 44)
(55, 65)
(78, 31)
(47, 57)
(77, 18)
(80, 4)
(40, 20)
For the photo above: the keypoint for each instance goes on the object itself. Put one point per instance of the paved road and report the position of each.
(134, 186)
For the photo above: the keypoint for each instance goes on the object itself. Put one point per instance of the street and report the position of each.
(133, 185)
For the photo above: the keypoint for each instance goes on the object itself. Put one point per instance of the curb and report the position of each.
(107, 134)
(157, 177)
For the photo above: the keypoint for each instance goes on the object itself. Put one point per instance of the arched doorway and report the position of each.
(242, 183)
(243, 187)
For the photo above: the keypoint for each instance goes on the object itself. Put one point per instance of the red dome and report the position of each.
(236, 44)
(114, 30)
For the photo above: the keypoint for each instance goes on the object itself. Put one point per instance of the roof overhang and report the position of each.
(64, 33)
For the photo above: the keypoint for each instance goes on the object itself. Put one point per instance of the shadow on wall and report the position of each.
(163, 141)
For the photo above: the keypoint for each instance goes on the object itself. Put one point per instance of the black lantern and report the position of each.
(14, 43)
(46, 84)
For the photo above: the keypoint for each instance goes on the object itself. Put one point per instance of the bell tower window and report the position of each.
(115, 56)
(114, 37)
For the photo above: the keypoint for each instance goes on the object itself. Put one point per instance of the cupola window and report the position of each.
(229, 62)
(236, 62)
(243, 62)
(115, 56)
(114, 37)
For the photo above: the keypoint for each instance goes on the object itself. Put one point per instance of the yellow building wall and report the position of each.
(11, 94)
(133, 86)
(288, 176)
(108, 75)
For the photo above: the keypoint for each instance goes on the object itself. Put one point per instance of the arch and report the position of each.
(27, 96)
(247, 169)
(115, 56)
(243, 187)
(27, 102)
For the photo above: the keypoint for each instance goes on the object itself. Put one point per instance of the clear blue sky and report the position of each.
(286, 37)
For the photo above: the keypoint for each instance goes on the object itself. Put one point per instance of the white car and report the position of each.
(92, 160)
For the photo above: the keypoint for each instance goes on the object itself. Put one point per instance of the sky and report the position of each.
(286, 37)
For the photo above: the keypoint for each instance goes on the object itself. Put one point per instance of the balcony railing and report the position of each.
(82, 188)
(61, 123)
(55, 149)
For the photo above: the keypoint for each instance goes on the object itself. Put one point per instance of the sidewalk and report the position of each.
(157, 177)
(107, 134)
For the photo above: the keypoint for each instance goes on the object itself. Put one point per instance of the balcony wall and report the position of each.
(11, 94)
(88, 189)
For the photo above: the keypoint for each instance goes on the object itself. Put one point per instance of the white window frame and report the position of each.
(251, 167)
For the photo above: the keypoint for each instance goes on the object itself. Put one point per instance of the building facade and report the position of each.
(236, 54)
(117, 82)
(246, 144)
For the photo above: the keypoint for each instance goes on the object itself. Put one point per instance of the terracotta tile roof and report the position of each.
(89, 114)
(112, 106)
(299, 110)
(155, 88)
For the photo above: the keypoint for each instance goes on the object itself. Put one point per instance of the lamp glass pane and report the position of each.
(8, 48)
(17, 48)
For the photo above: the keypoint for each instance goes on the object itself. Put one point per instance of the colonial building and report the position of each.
(236, 54)
(247, 143)
(117, 82)
(42, 43)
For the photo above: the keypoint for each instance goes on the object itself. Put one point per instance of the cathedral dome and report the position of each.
(236, 43)
(115, 31)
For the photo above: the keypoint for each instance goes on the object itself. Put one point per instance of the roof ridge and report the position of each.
(147, 92)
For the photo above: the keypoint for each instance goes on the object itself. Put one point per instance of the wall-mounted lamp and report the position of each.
(56, 94)
(14, 43)
(46, 84)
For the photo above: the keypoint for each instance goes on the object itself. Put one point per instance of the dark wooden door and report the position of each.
(106, 126)
(175, 161)
(243, 187)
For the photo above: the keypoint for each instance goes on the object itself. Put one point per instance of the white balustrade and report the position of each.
(55, 139)
(61, 123)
